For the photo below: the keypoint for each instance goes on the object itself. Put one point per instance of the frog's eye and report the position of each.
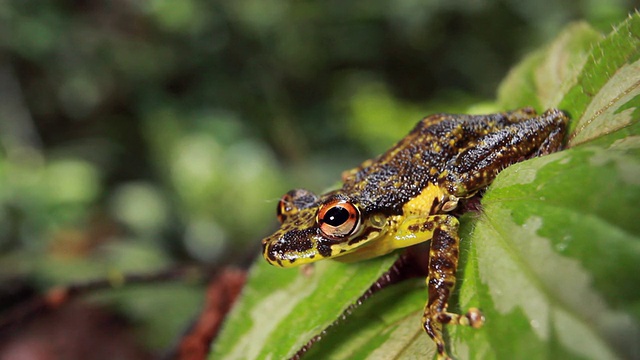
(285, 207)
(338, 219)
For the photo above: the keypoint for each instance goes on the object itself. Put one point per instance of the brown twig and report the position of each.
(221, 294)
(57, 296)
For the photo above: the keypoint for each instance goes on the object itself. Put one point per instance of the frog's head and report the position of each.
(316, 228)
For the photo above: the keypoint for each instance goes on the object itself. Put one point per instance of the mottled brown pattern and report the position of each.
(411, 187)
(469, 149)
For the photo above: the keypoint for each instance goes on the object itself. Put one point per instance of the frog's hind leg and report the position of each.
(443, 262)
(477, 166)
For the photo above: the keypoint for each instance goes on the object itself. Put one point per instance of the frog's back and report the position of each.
(418, 160)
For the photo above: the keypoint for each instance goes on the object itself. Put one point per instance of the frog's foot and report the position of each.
(553, 142)
(433, 322)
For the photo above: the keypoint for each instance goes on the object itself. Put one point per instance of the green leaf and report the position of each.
(552, 258)
(557, 263)
(556, 252)
(281, 309)
(542, 79)
(607, 93)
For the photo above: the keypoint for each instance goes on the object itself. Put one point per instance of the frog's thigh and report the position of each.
(476, 167)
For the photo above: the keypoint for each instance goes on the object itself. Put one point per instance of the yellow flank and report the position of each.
(422, 203)
(401, 232)
(380, 247)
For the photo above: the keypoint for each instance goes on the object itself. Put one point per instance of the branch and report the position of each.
(58, 296)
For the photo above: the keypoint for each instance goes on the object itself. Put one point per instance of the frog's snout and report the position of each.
(290, 248)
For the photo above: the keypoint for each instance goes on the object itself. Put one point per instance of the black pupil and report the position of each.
(336, 216)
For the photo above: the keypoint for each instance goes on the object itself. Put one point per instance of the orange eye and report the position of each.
(285, 207)
(338, 219)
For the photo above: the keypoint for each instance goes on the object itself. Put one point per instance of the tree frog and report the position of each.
(408, 196)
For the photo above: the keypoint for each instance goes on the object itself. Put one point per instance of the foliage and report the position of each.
(137, 135)
(552, 259)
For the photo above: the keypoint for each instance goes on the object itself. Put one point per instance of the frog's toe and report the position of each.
(473, 318)
(433, 323)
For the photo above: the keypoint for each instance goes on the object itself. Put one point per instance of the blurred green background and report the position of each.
(136, 135)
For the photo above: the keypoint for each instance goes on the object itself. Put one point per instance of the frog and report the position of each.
(409, 195)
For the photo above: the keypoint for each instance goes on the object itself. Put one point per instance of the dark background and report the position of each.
(136, 135)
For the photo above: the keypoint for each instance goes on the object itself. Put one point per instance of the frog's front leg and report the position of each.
(443, 263)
